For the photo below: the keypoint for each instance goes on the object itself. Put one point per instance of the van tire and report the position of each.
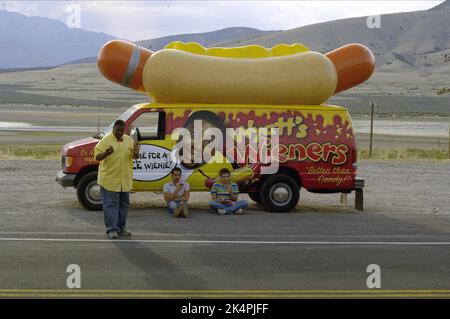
(279, 193)
(88, 192)
(255, 196)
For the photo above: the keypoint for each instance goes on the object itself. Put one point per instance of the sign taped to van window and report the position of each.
(154, 163)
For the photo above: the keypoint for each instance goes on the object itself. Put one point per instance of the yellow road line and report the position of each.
(68, 293)
(226, 291)
(297, 296)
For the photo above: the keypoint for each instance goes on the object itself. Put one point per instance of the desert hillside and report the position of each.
(412, 52)
(412, 49)
(208, 39)
(27, 42)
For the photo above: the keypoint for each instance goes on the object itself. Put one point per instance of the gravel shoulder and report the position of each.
(405, 203)
(414, 193)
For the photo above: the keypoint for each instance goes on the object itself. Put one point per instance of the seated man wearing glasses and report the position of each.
(225, 195)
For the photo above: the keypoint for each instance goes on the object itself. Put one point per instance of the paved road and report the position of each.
(322, 247)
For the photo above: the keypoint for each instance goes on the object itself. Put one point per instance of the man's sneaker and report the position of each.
(178, 211)
(124, 232)
(239, 211)
(185, 210)
(113, 235)
(221, 211)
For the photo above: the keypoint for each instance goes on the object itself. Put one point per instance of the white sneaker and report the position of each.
(239, 211)
(221, 211)
(113, 235)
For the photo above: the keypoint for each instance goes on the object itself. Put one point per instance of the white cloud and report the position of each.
(137, 20)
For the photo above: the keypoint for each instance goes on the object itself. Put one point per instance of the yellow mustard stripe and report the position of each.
(248, 51)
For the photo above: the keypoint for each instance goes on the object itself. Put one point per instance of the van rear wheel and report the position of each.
(279, 193)
(88, 192)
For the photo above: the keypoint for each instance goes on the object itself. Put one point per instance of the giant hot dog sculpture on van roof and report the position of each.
(189, 73)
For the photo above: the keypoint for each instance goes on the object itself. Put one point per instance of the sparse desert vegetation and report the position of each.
(30, 151)
(53, 151)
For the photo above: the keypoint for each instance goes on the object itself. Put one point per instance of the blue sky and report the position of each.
(138, 20)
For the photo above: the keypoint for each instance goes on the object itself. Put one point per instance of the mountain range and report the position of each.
(419, 38)
(412, 51)
(208, 39)
(409, 39)
(38, 42)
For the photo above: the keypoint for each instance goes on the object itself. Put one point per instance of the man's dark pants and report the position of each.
(115, 209)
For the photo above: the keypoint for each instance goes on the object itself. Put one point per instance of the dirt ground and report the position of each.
(43, 229)
(29, 190)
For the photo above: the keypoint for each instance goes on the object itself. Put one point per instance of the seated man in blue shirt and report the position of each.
(176, 194)
(225, 195)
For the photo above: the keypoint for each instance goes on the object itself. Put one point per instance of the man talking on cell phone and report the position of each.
(116, 152)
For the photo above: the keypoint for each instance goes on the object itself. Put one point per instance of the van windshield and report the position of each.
(124, 117)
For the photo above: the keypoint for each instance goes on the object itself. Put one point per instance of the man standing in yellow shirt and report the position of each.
(115, 152)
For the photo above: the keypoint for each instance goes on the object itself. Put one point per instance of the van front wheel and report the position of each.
(88, 192)
(279, 193)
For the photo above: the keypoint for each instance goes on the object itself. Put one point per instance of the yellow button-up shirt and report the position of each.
(115, 172)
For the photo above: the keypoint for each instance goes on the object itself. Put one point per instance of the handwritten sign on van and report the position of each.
(154, 163)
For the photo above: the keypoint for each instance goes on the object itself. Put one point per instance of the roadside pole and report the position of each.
(372, 104)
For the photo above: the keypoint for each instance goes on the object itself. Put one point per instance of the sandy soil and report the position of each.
(405, 202)
(29, 190)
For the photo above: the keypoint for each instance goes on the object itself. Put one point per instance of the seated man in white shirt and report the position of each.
(176, 194)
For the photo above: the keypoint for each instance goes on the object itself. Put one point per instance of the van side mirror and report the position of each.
(134, 135)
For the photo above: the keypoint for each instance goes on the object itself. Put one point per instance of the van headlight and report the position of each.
(67, 161)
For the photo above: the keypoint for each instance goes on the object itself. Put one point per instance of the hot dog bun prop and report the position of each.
(179, 76)
(188, 72)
